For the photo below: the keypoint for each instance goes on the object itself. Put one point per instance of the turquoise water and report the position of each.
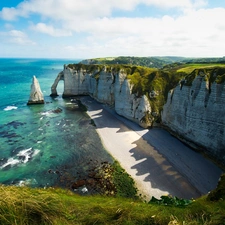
(40, 146)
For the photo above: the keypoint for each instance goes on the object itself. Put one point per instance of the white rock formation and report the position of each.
(36, 96)
(106, 87)
(54, 86)
(196, 114)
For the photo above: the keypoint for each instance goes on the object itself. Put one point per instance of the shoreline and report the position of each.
(158, 163)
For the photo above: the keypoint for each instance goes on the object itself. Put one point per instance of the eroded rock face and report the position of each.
(75, 82)
(36, 95)
(130, 106)
(196, 114)
(106, 87)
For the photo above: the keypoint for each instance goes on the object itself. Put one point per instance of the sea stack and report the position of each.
(36, 95)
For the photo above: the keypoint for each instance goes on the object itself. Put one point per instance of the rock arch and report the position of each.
(54, 86)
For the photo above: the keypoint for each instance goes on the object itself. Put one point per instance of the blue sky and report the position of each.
(98, 28)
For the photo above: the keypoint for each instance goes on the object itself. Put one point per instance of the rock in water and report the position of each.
(36, 95)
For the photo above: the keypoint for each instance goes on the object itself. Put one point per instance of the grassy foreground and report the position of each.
(23, 205)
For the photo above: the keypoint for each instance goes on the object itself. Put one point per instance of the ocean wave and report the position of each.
(11, 162)
(46, 113)
(27, 182)
(25, 155)
(10, 107)
(21, 158)
(51, 113)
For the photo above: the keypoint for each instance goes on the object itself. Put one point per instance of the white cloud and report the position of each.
(194, 32)
(198, 33)
(200, 23)
(176, 3)
(50, 30)
(18, 37)
(9, 13)
(70, 9)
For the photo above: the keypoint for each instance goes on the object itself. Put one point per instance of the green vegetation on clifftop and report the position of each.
(208, 73)
(23, 206)
(153, 62)
(155, 83)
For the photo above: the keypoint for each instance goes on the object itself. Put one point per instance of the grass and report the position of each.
(125, 186)
(146, 80)
(189, 68)
(210, 74)
(23, 206)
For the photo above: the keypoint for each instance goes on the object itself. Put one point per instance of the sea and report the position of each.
(48, 145)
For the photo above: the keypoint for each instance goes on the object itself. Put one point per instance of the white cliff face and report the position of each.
(36, 95)
(75, 82)
(105, 87)
(111, 88)
(196, 113)
(130, 106)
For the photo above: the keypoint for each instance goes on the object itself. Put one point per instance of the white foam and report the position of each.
(36, 151)
(84, 189)
(45, 113)
(48, 114)
(27, 182)
(10, 161)
(27, 153)
(8, 108)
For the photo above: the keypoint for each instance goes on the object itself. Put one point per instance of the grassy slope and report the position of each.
(156, 62)
(189, 68)
(56, 206)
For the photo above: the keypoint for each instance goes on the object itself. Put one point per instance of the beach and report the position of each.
(158, 163)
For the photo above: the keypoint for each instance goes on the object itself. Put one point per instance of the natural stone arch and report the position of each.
(55, 84)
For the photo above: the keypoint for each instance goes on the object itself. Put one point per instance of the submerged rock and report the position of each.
(36, 95)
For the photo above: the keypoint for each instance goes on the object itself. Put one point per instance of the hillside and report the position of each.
(26, 206)
(152, 62)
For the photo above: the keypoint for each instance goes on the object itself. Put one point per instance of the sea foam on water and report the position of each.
(8, 108)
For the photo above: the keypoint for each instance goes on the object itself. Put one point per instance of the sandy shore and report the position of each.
(159, 163)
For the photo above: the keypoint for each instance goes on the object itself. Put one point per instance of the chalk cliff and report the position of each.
(36, 95)
(106, 86)
(194, 111)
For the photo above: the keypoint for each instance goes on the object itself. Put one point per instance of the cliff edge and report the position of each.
(194, 112)
(107, 85)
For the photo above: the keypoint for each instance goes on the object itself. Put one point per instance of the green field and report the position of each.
(189, 68)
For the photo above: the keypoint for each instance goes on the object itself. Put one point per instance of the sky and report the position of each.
(81, 29)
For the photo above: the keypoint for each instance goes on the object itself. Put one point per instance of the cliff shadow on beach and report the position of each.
(165, 162)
